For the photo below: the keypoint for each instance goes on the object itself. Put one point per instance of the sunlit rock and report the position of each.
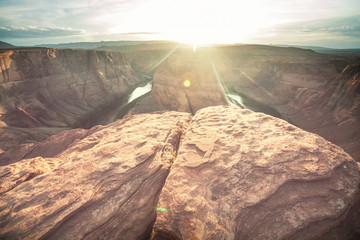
(105, 186)
(229, 173)
(187, 81)
(246, 175)
(45, 91)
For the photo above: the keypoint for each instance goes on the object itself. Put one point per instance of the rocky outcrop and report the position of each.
(51, 147)
(187, 81)
(47, 88)
(245, 175)
(346, 88)
(234, 174)
(46, 91)
(316, 92)
(105, 186)
(332, 110)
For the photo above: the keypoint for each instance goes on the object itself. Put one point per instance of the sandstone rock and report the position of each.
(246, 175)
(105, 186)
(332, 110)
(50, 89)
(170, 93)
(11, 137)
(45, 91)
(51, 147)
(301, 85)
(296, 83)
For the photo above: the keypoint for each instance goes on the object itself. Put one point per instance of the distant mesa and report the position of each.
(110, 45)
(5, 45)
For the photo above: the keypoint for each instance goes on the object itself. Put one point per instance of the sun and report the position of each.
(200, 22)
(218, 22)
(187, 83)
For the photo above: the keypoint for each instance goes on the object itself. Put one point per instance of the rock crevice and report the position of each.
(108, 190)
(252, 176)
(226, 173)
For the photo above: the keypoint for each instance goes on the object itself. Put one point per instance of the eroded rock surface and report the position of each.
(187, 81)
(246, 175)
(51, 147)
(332, 110)
(46, 91)
(104, 186)
(317, 92)
(234, 174)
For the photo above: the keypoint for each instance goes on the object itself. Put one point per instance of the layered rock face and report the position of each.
(245, 175)
(234, 174)
(238, 175)
(104, 186)
(187, 81)
(317, 92)
(333, 110)
(44, 91)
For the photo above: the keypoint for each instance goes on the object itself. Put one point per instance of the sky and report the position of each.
(326, 23)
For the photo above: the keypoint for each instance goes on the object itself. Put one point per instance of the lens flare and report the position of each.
(187, 83)
(162, 209)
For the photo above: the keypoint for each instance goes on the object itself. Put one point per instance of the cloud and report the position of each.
(331, 32)
(77, 14)
(137, 33)
(37, 32)
(179, 19)
(339, 26)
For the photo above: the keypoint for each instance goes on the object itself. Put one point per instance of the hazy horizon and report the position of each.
(331, 24)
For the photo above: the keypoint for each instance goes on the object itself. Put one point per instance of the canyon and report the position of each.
(163, 142)
(46, 91)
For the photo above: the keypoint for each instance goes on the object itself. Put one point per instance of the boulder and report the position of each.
(246, 175)
(105, 186)
(226, 173)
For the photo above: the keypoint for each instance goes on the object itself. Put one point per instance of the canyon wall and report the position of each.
(44, 91)
(185, 81)
(139, 177)
(316, 92)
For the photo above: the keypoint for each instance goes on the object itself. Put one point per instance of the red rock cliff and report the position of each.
(52, 89)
